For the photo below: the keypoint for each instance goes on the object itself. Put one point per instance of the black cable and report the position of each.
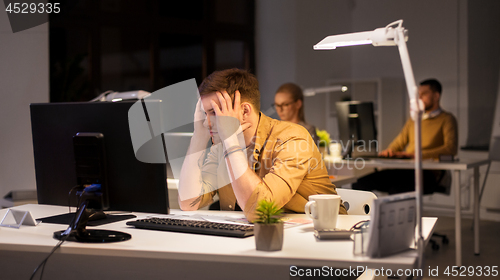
(42, 264)
(65, 236)
(69, 198)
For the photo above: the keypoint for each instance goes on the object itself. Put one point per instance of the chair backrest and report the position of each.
(494, 153)
(357, 202)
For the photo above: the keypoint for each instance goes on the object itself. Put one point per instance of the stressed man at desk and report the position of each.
(439, 137)
(253, 157)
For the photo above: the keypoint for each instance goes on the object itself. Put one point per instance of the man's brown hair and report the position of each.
(232, 80)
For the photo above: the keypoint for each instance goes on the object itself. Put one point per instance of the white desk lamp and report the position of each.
(314, 91)
(115, 96)
(393, 34)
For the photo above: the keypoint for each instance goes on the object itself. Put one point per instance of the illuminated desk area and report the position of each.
(156, 254)
(337, 180)
(455, 166)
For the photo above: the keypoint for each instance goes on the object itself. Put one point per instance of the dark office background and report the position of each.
(122, 45)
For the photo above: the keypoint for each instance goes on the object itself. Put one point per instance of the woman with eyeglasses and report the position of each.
(288, 103)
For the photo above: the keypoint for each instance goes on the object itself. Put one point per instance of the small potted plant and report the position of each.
(268, 228)
(324, 141)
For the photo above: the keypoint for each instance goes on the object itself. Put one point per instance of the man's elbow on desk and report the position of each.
(188, 205)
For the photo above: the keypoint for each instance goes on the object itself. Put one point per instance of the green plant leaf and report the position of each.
(268, 212)
(324, 137)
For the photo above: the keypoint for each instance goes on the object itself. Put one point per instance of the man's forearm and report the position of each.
(397, 145)
(401, 141)
(244, 185)
(243, 179)
(189, 204)
(190, 183)
(435, 152)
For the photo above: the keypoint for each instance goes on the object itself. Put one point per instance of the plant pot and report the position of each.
(268, 237)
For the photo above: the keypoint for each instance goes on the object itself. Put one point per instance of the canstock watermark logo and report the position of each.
(28, 14)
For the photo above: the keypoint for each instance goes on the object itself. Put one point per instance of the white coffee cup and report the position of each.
(323, 209)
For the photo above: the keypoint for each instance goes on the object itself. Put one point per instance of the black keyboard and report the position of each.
(193, 226)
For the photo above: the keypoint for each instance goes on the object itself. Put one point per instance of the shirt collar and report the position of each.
(263, 131)
(432, 114)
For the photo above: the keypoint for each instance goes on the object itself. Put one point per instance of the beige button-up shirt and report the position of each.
(285, 157)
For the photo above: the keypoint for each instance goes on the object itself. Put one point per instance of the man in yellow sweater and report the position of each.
(439, 137)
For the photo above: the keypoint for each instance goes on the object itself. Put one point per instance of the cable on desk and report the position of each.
(42, 264)
(69, 198)
(65, 236)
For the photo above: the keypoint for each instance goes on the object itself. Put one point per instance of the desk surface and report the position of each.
(462, 164)
(300, 246)
(340, 180)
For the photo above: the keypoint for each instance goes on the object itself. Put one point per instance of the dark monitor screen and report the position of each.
(357, 130)
(131, 185)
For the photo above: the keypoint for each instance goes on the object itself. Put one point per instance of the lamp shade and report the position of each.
(378, 37)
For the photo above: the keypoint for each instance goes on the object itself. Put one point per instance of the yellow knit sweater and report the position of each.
(439, 137)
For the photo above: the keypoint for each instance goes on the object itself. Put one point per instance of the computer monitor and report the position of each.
(357, 130)
(131, 185)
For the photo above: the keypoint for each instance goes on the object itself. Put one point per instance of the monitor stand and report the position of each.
(77, 230)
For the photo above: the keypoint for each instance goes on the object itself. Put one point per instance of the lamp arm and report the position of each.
(407, 69)
(314, 91)
(416, 111)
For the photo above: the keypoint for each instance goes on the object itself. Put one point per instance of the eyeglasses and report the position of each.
(281, 106)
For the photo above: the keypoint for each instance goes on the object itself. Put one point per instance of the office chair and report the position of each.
(357, 202)
(493, 155)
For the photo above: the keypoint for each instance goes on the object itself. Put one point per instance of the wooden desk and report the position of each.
(158, 254)
(455, 166)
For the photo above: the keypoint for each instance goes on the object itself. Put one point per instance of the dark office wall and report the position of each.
(275, 46)
(286, 31)
(434, 46)
(454, 41)
(126, 45)
(484, 65)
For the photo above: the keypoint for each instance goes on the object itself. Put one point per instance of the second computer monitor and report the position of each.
(357, 130)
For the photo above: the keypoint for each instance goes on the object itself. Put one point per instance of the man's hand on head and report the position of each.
(229, 117)
(200, 130)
